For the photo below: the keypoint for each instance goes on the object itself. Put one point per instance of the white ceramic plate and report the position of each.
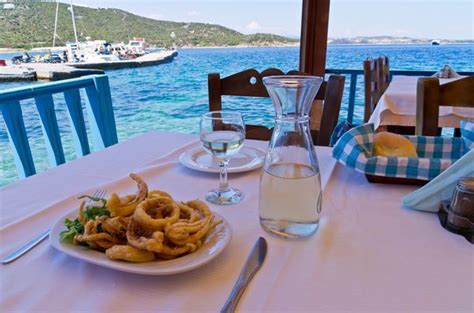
(214, 244)
(247, 159)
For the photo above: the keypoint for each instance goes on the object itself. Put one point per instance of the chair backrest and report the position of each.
(430, 95)
(100, 115)
(249, 83)
(371, 87)
(383, 68)
(376, 81)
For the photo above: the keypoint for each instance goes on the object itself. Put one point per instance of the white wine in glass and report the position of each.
(222, 134)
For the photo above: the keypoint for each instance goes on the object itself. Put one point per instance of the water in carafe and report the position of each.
(290, 185)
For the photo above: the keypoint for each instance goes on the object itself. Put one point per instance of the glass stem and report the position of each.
(223, 184)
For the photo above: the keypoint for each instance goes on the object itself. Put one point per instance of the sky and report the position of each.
(435, 19)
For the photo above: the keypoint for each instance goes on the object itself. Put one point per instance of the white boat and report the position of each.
(137, 46)
(100, 58)
(104, 55)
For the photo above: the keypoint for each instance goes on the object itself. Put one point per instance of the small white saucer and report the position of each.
(247, 159)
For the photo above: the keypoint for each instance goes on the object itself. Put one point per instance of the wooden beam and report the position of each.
(314, 36)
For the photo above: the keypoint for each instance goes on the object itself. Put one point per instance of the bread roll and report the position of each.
(389, 144)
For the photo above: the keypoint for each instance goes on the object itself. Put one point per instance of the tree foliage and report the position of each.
(32, 25)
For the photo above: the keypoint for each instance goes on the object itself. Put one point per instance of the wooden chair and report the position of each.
(376, 81)
(249, 83)
(431, 95)
(383, 72)
(371, 87)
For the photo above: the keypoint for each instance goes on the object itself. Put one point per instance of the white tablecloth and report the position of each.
(397, 106)
(369, 255)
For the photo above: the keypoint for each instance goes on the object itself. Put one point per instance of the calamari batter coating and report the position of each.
(156, 213)
(144, 239)
(125, 206)
(129, 254)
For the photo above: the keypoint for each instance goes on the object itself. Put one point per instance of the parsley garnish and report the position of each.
(90, 213)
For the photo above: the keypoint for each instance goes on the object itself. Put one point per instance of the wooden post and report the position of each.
(314, 36)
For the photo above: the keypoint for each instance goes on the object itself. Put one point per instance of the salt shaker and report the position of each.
(461, 209)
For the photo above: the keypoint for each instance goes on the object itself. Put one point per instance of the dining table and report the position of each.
(369, 253)
(397, 106)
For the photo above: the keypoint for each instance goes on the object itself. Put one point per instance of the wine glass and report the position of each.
(222, 134)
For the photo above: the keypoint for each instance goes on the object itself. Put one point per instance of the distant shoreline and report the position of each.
(42, 49)
(329, 44)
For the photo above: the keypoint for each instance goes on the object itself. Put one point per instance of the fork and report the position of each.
(35, 241)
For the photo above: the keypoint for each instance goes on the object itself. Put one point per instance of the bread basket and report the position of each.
(435, 154)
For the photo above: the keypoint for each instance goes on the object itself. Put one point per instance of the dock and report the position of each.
(13, 73)
(42, 71)
(59, 71)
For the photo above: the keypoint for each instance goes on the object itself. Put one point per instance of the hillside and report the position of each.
(31, 25)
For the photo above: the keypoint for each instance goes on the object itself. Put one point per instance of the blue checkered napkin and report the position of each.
(354, 149)
(467, 134)
(438, 147)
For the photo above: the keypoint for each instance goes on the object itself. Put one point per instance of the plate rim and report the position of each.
(240, 169)
(129, 267)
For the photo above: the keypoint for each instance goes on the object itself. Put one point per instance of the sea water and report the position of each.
(172, 96)
(290, 200)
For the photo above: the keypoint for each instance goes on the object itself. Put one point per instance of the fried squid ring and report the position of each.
(102, 240)
(200, 207)
(142, 192)
(124, 206)
(144, 240)
(177, 250)
(116, 226)
(96, 238)
(129, 254)
(187, 214)
(159, 193)
(181, 233)
(82, 218)
(156, 213)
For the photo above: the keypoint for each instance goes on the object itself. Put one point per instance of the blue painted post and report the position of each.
(50, 127)
(350, 109)
(76, 118)
(100, 113)
(11, 111)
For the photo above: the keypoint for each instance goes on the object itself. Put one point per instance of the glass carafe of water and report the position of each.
(290, 185)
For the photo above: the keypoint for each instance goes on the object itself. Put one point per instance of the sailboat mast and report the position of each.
(74, 24)
(55, 24)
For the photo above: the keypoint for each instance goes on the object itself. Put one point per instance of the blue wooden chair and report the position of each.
(98, 105)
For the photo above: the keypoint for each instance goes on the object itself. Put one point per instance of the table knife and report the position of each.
(25, 248)
(252, 265)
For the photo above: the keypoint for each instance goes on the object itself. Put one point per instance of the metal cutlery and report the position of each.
(252, 265)
(25, 248)
(34, 242)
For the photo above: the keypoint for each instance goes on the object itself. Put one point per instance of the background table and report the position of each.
(369, 255)
(397, 106)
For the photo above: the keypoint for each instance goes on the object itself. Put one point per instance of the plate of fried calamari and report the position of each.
(146, 233)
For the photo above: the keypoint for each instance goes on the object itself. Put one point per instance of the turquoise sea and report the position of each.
(171, 97)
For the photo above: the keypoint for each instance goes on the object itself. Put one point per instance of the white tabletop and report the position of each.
(369, 255)
(397, 106)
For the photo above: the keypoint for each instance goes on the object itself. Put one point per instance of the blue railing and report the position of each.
(354, 77)
(99, 112)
